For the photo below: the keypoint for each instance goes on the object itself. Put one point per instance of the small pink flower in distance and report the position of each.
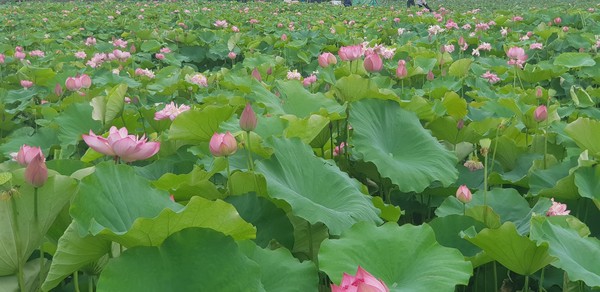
(2, 58)
(517, 56)
(430, 75)
(538, 92)
(396, 19)
(491, 77)
(536, 46)
(565, 28)
(388, 53)
(253, 21)
(231, 55)
(120, 43)
(485, 46)
(339, 149)
(90, 41)
(449, 48)
(309, 80)
(517, 18)
(221, 23)
(199, 79)
(363, 281)
(37, 53)
(80, 55)
(284, 37)
(256, 75)
(294, 75)
(450, 24)
(466, 26)
(171, 111)
(159, 56)
(557, 209)
(557, 20)
(463, 194)
(58, 89)
(504, 31)
(20, 55)
(540, 114)
(222, 144)
(165, 50)
(26, 84)
(235, 29)
(401, 71)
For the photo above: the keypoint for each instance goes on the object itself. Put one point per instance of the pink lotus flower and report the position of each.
(165, 50)
(235, 29)
(362, 282)
(145, 72)
(540, 114)
(222, 144)
(26, 83)
(122, 145)
(36, 173)
(159, 56)
(536, 46)
(350, 53)
(80, 55)
(171, 111)
(401, 71)
(198, 79)
(294, 75)
(327, 59)
(373, 63)
(248, 119)
(309, 80)
(231, 55)
(2, 58)
(557, 209)
(557, 20)
(491, 77)
(37, 53)
(256, 75)
(538, 92)
(430, 75)
(338, 149)
(73, 83)
(565, 28)
(90, 41)
(20, 55)
(120, 43)
(58, 89)
(463, 194)
(284, 37)
(26, 154)
(517, 56)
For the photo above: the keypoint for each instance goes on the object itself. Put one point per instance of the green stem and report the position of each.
(541, 286)
(17, 235)
(464, 209)
(228, 176)
(485, 188)
(310, 245)
(76, 281)
(91, 284)
(545, 145)
(526, 286)
(35, 207)
(495, 278)
(249, 151)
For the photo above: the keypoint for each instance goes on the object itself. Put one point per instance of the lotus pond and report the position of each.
(225, 146)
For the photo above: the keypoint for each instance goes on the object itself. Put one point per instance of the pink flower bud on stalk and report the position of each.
(538, 92)
(58, 89)
(232, 55)
(540, 114)
(256, 75)
(248, 119)
(430, 75)
(36, 172)
(401, 72)
(350, 53)
(373, 63)
(463, 194)
(363, 281)
(222, 144)
(26, 84)
(327, 59)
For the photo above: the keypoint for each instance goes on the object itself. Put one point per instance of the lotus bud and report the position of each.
(232, 55)
(58, 89)
(463, 194)
(248, 119)
(222, 144)
(373, 63)
(430, 75)
(256, 75)
(540, 114)
(85, 81)
(401, 72)
(36, 172)
(538, 92)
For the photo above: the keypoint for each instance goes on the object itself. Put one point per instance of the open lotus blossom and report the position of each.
(294, 75)
(37, 53)
(122, 145)
(339, 149)
(536, 46)
(557, 209)
(350, 53)
(26, 154)
(171, 111)
(309, 80)
(517, 56)
(145, 72)
(26, 83)
(198, 79)
(491, 77)
(363, 281)
(463, 194)
(222, 144)
(221, 23)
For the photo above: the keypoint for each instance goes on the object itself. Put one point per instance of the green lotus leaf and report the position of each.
(199, 125)
(300, 102)
(460, 68)
(107, 108)
(574, 60)
(516, 252)
(403, 151)
(587, 180)
(580, 130)
(447, 232)
(175, 265)
(74, 121)
(73, 253)
(576, 255)
(354, 87)
(317, 190)
(280, 271)
(184, 186)
(406, 258)
(52, 197)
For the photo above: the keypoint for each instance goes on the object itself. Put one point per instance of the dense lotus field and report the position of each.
(226, 146)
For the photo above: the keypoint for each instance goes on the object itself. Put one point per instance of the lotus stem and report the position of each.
(91, 284)
(546, 145)
(249, 151)
(76, 281)
(541, 284)
(229, 188)
(526, 286)
(495, 277)
(17, 235)
(35, 207)
(485, 188)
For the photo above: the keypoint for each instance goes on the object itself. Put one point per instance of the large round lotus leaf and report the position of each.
(194, 259)
(317, 190)
(403, 151)
(53, 196)
(516, 252)
(447, 232)
(113, 197)
(574, 60)
(587, 180)
(580, 130)
(577, 255)
(199, 125)
(280, 271)
(406, 258)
